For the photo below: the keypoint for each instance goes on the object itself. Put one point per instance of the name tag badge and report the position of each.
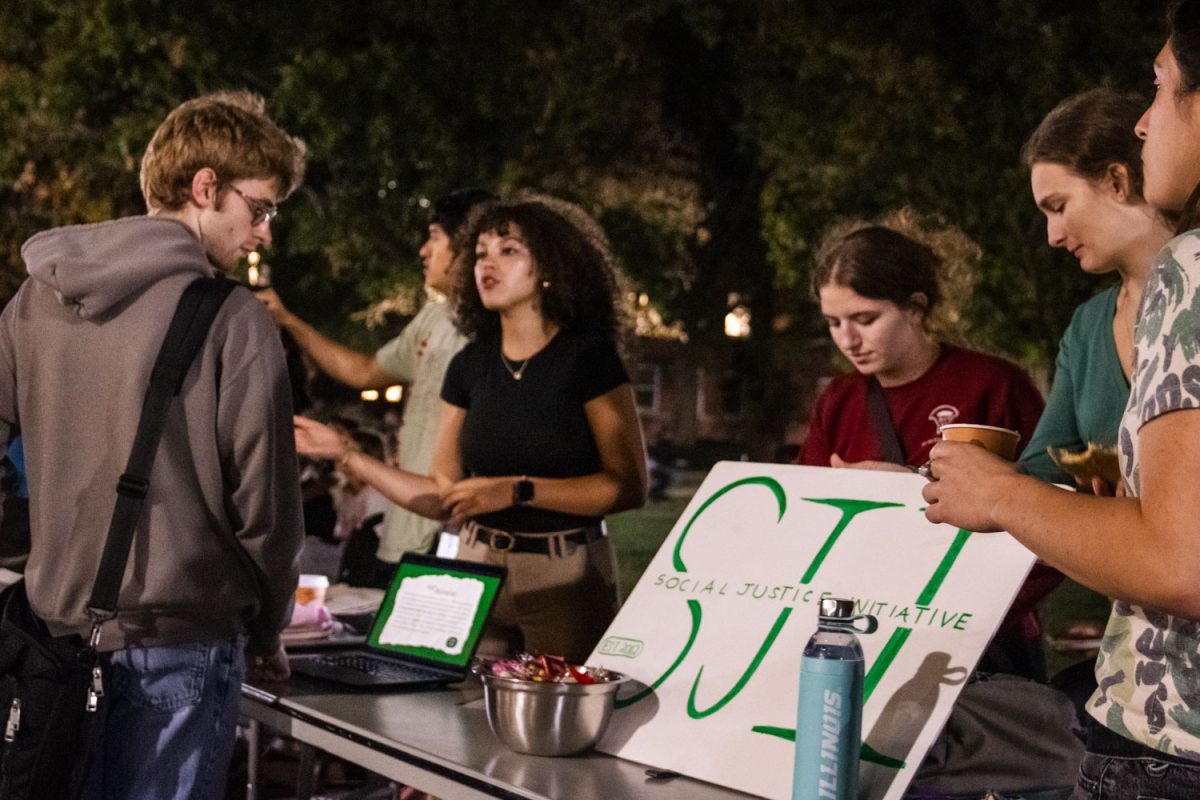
(447, 545)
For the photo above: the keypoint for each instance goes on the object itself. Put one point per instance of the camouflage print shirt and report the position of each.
(1149, 665)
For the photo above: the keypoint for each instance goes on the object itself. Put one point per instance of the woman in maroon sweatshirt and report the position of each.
(890, 294)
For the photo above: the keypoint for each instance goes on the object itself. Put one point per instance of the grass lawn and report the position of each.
(637, 535)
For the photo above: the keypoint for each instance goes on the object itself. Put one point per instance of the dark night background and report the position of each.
(714, 139)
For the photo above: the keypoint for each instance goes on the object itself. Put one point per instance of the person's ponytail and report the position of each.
(1183, 32)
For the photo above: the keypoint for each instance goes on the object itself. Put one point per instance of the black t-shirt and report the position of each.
(535, 426)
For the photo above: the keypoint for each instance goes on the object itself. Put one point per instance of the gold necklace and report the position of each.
(516, 373)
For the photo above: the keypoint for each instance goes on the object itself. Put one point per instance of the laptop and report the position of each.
(425, 631)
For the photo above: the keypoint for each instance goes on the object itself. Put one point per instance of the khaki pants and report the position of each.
(557, 603)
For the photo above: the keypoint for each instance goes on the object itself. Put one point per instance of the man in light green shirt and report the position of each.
(418, 358)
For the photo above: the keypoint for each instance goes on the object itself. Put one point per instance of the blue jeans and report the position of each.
(1130, 778)
(167, 722)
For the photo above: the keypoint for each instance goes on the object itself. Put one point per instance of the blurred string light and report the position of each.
(737, 320)
(257, 275)
(648, 322)
(392, 394)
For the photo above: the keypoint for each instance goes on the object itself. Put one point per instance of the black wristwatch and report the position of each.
(523, 491)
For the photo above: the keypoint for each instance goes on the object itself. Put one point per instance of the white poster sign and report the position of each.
(713, 631)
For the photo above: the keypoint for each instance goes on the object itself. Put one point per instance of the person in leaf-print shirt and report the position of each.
(1141, 548)
(1149, 665)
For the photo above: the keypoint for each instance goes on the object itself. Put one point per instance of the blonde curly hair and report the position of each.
(898, 256)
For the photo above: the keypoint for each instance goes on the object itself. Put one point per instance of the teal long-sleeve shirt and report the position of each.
(1089, 394)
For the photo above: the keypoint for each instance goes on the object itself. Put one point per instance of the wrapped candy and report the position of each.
(543, 669)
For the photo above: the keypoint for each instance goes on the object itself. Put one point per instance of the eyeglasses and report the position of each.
(260, 210)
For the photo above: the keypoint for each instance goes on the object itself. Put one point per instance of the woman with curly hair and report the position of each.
(539, 437)
(890, 293)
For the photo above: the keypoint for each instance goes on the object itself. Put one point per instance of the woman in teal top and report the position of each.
(1086, 172)
(1089, 392)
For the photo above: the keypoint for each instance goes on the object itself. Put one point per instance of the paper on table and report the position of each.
(345, 599)
(434, 611)
(310, 634)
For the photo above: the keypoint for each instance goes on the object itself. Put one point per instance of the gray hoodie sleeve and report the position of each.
(258, 447)
(8, 378)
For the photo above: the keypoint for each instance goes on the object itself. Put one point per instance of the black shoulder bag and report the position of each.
(881, 420)
(51, 687)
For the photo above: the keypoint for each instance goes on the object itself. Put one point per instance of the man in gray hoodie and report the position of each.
(213, 566)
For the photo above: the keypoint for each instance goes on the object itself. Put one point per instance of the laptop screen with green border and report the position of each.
(444, 609)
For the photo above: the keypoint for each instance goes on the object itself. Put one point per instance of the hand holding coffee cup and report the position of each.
(968, 484)
(999, 441)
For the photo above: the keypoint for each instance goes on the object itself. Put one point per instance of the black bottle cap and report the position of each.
(836, 608)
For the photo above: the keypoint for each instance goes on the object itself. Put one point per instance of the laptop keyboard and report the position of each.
(378, 667)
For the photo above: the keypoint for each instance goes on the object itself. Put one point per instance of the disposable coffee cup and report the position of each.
(311, 590)
(1001, 441)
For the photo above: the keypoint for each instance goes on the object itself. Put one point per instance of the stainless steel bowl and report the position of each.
(548, 719)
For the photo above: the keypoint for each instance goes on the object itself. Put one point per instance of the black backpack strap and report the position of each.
(881, 419)
(197, 308)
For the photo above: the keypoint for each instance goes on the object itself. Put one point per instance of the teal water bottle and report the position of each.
(829, 711)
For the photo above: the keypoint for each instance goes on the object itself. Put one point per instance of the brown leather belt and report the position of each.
(508, 542)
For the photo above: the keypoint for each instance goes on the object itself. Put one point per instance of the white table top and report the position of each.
(442, 738)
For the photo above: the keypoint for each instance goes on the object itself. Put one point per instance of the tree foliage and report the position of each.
(715, 139)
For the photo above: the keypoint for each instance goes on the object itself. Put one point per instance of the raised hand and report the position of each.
(318, 440)
(275, 306)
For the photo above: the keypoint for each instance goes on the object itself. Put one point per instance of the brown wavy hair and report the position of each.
(570, 252)
(228, 132)
(899, 255)
(1089, 132)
